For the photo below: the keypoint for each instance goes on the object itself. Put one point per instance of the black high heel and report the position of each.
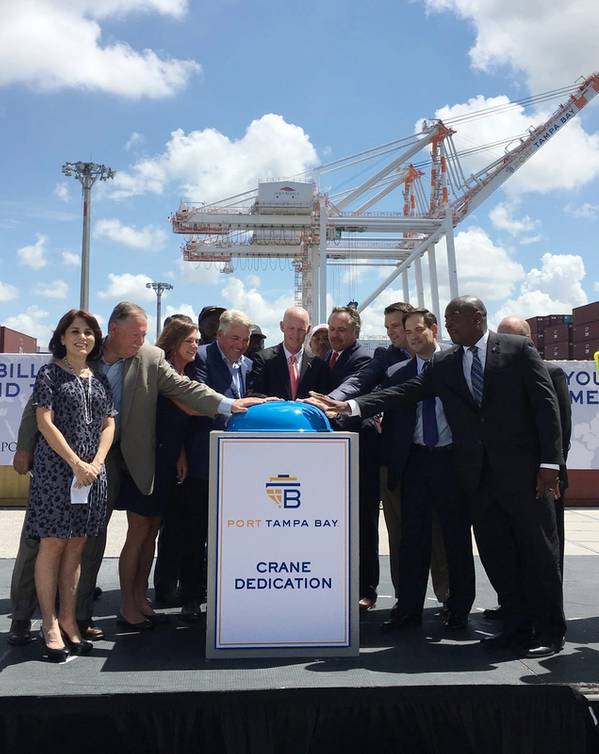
(83, 647)
(52, 655)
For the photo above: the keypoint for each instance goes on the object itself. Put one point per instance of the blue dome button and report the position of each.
(280, 416)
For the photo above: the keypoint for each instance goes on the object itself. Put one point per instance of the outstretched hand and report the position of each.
(330, 407)
(241, 405)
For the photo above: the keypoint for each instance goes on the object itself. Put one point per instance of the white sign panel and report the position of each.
(281, 528)
(17, 375)
(583, 383)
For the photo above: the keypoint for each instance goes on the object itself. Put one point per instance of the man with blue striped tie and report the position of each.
(504, 417)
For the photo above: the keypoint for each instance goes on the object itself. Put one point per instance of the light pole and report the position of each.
(159, 289)
(87, 173)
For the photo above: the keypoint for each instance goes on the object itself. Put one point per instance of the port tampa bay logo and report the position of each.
(284, 490)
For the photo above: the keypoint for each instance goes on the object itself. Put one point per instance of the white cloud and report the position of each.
(568, 160)
(485, 269)
(56, 289)
(50, 46)
(553, 288)
(128, 287)
(207, 165)
(503, 218)
(32, 322)
(204, 273)
(551, 42)
(34, 255)
(149, 237)
(266, 312)
(71, 259)
(181, 309)
(61, 190)
(8, 292)
(135, 139)
(586, 210)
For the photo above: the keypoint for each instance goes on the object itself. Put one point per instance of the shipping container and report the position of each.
(12, 341)
(586, 350)
(557, 319)
(537, 324)
(558, 334)
(558, 351)
(589, 331)
(584, 314)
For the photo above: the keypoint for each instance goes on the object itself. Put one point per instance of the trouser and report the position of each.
(392, 509)
(518, 542)
(369, 510)
(22, 586)
(429, 484)
(182, 543)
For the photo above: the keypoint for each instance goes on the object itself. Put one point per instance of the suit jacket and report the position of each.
(398, 427)
(371, 375)
(350, 361)
(513, 431)
(270, 374)
(560, 384)
(210, 369)
(145, 376)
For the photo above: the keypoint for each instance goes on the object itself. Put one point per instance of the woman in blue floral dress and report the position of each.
(67, 499)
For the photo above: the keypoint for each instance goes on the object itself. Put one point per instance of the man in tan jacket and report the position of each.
(137, 373)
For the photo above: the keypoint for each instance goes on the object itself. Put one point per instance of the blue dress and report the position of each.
(50, 512)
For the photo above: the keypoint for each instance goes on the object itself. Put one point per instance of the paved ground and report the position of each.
(171, 657)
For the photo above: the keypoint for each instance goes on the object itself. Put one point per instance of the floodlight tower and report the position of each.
(159, 289)
(87, 173)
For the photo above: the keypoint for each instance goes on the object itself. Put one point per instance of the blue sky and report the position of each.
(202, 100)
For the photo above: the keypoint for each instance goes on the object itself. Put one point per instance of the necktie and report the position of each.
(476, 376)
(293, 376)
(430, 430)
(333, 359)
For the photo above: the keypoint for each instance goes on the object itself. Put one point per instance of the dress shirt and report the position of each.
(445, 437)
(237, 382)
(114, 374)
(298, 359)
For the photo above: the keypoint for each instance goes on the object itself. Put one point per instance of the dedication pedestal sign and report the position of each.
(283, 537)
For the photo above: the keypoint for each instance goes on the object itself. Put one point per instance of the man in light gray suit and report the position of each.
(137, 373)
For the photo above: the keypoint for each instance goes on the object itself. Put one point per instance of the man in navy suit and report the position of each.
(348, 357)
(420, 459)
(183, 536)
(503, 414)
(287, 370)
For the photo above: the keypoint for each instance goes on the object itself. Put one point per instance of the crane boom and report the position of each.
(498, 172)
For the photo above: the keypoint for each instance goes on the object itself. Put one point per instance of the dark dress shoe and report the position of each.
(158, 619)
(88, 630)
(167, 599)
(191, 612)
(53, 655)
(398, 620)
(144, 625)
(367, 603)
(493, 613)
(540, 648)
(83, 647)
(454, 621)
(505, 640)
(20, 633)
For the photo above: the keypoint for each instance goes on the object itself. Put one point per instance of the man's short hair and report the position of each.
(398, 306)
(233, 317)
(125, 309)
(352, 313)
(428, 317)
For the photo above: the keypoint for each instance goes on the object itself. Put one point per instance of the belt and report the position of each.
(431, 451)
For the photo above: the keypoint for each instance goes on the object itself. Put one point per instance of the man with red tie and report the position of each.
(287, 370)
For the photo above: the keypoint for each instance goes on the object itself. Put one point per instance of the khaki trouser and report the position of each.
(392, 510)
(22, 585)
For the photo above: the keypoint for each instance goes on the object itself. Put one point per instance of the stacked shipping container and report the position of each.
(586, 331)
(567, 336)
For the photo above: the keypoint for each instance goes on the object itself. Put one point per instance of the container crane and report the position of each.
(294, 220)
